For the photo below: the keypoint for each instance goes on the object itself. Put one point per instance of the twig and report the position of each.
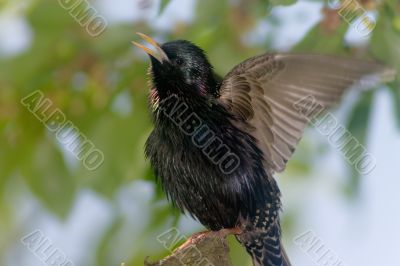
(209, 251)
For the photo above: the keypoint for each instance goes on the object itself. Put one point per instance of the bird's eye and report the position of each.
(179, 62)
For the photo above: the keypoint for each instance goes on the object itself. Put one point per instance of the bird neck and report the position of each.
(196, 95)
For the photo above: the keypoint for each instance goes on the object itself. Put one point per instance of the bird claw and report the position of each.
(192, 240)
(228, 231)
(197, 237)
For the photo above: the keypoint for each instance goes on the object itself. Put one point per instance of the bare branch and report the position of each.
(208, 251)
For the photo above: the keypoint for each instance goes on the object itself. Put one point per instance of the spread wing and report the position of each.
(275, 95)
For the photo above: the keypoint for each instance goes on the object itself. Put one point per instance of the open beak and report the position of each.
(158, 54)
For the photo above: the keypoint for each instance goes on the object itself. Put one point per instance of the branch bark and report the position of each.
(208, 251)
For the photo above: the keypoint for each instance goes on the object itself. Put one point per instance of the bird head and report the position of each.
(179, 67)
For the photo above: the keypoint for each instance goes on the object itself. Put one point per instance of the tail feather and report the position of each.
(265, 247)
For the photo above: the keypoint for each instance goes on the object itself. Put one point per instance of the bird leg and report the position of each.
(197, 237)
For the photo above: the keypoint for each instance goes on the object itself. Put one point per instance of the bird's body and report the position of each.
(246, 198)
(216, 143)
(194, 182)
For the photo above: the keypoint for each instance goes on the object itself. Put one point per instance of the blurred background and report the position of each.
(93, 74)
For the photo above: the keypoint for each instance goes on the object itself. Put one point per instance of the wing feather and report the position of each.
(262, 91)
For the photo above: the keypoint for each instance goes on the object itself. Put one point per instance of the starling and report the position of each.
(217, 142)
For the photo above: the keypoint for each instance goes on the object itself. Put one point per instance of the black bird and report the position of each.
(217, 143)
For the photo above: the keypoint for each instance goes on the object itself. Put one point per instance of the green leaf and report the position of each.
(283, 2)
(121, 139)
(385, 46)
(104, 246)
(396, 98)
(357, 125)
(319, 41)
(51, 182)
(163, 5)
(238, 254)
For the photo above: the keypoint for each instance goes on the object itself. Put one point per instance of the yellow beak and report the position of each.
(158, 54)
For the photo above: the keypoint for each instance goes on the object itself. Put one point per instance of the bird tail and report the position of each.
(265, 247)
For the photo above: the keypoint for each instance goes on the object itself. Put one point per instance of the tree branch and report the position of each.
(208, 251)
